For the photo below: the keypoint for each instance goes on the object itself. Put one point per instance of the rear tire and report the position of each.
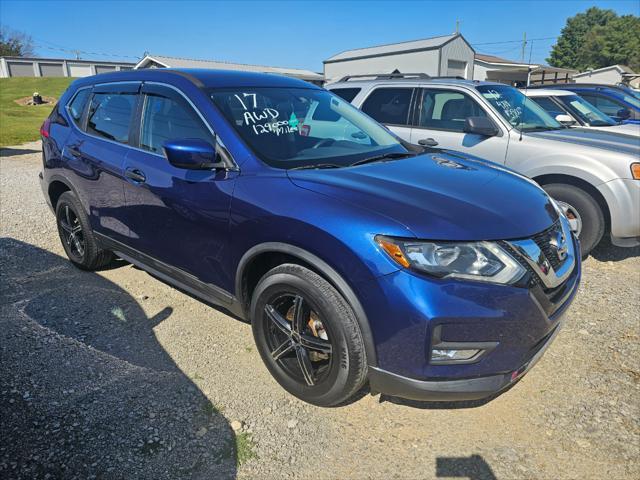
(590, 213)
(322, 360)
(76, 235)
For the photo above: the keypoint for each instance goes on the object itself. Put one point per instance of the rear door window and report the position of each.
(110, 115)
(549, 106)
(77, 105)
(346, 93)
(165, 119)
(447, 110)
(389, 105)
(604, 104)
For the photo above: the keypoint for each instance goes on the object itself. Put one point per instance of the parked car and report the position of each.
(574, 111)
(593, 175)
(353, 261)
(616, 102)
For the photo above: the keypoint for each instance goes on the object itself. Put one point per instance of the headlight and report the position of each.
(480, 261)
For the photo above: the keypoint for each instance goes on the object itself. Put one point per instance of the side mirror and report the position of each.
(565, 119)
(480, 126)
(191, 154)
(623, 113)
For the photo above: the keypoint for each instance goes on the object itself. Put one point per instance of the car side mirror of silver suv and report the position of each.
(480, 126)
(565, 119)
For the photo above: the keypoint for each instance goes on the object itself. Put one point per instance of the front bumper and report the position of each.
(409, 312)
(452, 390)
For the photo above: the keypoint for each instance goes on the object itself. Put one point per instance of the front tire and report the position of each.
(585, 208)
(308, 336)
(76, 235)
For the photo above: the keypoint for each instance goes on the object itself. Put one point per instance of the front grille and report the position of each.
(543, 240)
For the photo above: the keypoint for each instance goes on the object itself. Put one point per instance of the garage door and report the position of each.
(456, 68)
(79, 70)
(104, 69)
(51, 70)
(17, 69)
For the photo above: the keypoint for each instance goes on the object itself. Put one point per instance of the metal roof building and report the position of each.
(160, 61)
(56, 67)
(447, 55)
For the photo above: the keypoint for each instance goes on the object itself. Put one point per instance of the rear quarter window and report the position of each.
(347, 94)
(77, 105)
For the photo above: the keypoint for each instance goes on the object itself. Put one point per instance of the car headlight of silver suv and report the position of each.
(479, 261)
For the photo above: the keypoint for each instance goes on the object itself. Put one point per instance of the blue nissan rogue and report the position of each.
(358, 259)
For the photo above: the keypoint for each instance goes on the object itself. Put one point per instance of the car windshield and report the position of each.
(522, 113)
(585, 111)
(304, 128)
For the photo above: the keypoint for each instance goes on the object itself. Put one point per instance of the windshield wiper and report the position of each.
(379, 158)
(318, 166)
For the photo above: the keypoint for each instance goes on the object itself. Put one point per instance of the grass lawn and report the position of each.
(19, 124)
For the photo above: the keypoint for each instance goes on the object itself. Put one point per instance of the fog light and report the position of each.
(448, 355)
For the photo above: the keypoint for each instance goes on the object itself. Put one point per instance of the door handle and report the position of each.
(135, 175)
(427, 142)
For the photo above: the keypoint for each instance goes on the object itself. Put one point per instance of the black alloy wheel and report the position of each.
(308, 336)
(71, 232)
(297, 338)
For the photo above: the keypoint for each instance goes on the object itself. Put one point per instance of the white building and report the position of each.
(449, 55)
(611, 75)
(496, 69)
(56, 67)
(159, 61)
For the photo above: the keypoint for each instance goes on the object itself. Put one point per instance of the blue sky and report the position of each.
(288, 34)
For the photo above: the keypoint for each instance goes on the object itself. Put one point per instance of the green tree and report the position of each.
(15, 44)
(565, 53)
(616, 42)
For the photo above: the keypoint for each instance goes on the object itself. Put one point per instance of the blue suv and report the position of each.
(620, 103)
(358, 260)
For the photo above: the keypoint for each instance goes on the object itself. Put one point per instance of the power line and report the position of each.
(76, 52)
(514, 41)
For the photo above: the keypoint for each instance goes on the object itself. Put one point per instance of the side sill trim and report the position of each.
(175, 276)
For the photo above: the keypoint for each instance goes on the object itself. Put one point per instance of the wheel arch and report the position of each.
(543, 180)
(55, 189)
(263, 257)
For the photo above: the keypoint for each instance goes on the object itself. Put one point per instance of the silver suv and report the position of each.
(594, 175)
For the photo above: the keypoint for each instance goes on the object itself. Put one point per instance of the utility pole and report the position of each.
(77, 54)
(524, 45)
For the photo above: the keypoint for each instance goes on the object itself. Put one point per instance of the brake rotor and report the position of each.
(317, 330)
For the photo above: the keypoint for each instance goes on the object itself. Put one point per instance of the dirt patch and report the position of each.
(28, 101)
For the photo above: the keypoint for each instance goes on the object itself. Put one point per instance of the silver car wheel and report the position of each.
(575, 220)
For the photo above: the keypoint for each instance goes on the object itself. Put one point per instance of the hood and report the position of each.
(440, 196)
(626, 128)
(587, 137)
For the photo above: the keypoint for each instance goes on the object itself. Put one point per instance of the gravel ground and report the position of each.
(117, 375)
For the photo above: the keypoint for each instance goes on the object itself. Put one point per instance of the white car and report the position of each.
(574, 111)
(593, 175)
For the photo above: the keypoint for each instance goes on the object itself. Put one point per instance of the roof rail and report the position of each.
(380, 76)
(455, 77)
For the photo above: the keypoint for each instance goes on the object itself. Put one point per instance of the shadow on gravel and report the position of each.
(472, 468)
(86, 390)
(607, 252)
(10, 152)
